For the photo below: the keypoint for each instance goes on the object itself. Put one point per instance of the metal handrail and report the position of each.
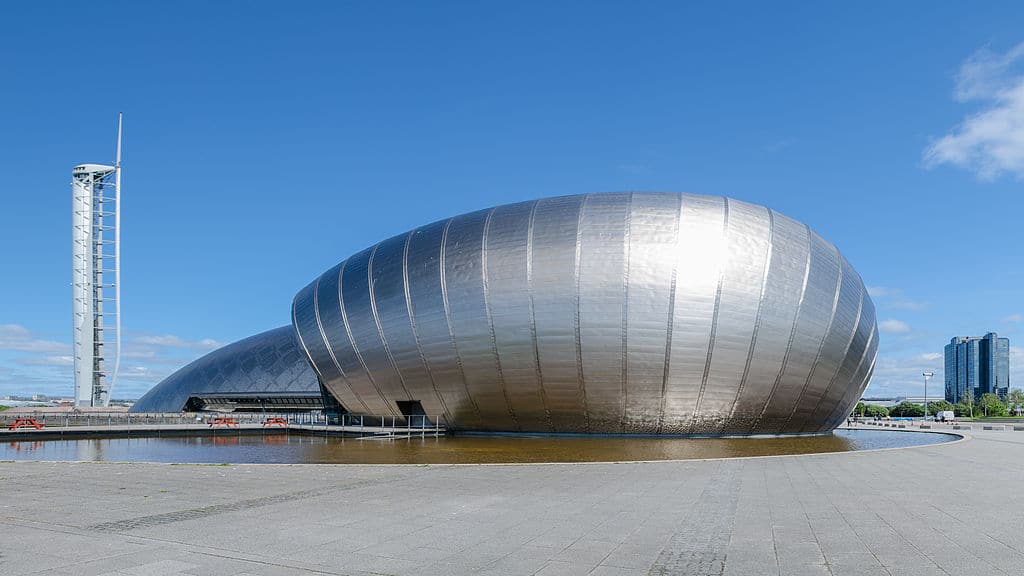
(421, 423)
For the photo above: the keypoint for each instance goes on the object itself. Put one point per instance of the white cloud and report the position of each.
(171, 341)
(29, 364)
(47, 361)
(1014, 318)
(16, 338)
(893, 327)
(895, 299)
(989, 142)
(901, 375)
(879, 291)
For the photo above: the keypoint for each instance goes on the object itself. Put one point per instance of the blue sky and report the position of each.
(264, 143)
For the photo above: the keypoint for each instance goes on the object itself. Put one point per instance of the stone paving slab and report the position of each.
(910, 511)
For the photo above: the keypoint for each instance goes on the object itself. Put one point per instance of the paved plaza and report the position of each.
(943, 510)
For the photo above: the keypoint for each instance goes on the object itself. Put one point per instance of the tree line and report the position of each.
(987, 405)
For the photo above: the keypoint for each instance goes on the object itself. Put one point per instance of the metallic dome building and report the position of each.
(605, 313)
(267, 371)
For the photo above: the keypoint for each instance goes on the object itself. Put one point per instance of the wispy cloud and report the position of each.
(1014, 318)
(893, 326)
(171, 341)
(880, 291)
(16, 338)
(46, 360)
(32, 364)
(895, 299)
(989, 142)
(902, 375)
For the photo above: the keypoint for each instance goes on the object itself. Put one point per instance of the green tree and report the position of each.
(962, 410)
(906, 409)
(967, 401)
(1015, 401)
(874, 410)
(992, 405)
(939, 406)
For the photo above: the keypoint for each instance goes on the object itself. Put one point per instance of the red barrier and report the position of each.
(25, 423)
(227, 422)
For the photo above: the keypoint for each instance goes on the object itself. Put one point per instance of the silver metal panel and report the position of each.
(553, 290)
(812, 322)
(748, 232)
(311, 338)
(366, 338)
(433, 334)
(603, 313)
(840, 384)
(602, 288)
(653, 241)
(508, 296)
(783, 289)
(833, 348)
(388, 287)
(336, 322)
(854, 387)
(698, 265)
(467, 314)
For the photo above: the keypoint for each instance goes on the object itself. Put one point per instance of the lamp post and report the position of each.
(926, 375)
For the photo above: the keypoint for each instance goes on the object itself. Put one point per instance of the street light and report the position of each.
(926, 375)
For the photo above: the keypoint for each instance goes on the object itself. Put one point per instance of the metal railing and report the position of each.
(368, 423)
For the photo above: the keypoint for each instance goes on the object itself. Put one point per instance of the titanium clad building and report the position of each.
(652, 313)
(605, 313)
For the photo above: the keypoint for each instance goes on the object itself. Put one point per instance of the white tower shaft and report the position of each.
(95, 277)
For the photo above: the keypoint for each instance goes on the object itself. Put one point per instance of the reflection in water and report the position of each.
(90, 450)
(283, 448)
(25, 446)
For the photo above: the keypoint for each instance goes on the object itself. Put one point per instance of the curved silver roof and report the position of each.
(631, 312)
(267, 363)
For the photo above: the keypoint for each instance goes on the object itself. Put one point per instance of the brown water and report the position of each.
(298, 449)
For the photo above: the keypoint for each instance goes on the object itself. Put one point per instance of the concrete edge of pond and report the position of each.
(959, 436)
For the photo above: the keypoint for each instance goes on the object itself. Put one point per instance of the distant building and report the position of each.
(977, 366)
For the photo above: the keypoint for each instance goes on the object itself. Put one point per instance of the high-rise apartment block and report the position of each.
(977, 366)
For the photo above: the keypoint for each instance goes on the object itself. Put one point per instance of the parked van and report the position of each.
(945, 416)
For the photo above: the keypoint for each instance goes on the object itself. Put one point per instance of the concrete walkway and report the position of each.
(943, 510)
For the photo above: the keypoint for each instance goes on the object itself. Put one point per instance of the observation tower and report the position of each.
(96, 277)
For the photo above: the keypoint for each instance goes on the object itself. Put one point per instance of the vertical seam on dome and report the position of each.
(298, 333)
(327, 343)
(352, 340)
(576, 313)
(415, 327)
(671, 314)
(624, 391)
(714, 314)
(371, 285)
(838, 414)
(533, 316)
(302, 342)
(860, 364)
(757, 316)
(448, 317)
(824, 337)
(490, 316)
(839, 368)
(792, 335)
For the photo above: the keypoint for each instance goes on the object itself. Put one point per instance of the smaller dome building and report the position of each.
(265, 371)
